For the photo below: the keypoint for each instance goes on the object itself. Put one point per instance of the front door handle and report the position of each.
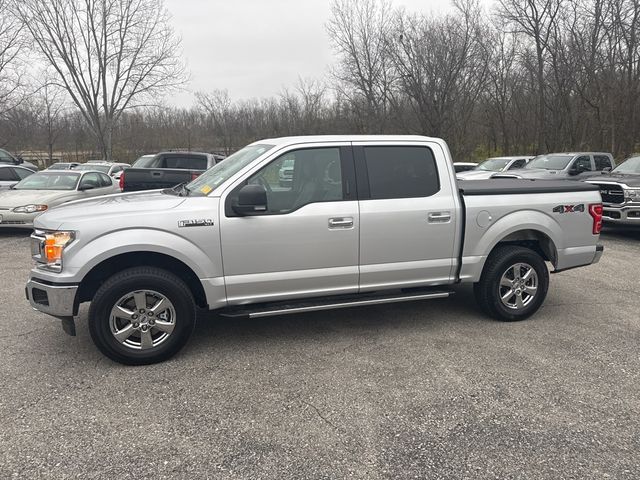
(439, 217)
(341, 222)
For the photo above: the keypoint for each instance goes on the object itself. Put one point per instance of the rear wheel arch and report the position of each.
(535, 240)
(117, 263)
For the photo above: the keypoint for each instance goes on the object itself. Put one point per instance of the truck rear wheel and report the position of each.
(513, 284)
(142, 315)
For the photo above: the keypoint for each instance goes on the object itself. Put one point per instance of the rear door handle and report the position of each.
(341, 222)
(439, 217)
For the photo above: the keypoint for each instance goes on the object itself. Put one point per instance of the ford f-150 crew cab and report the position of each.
(364, 220)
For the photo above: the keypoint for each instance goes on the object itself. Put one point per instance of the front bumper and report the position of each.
(55, 300)
(10, 219)
(628, 214)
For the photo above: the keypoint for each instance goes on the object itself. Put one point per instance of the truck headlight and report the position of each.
(632, 193)
(50, 248)
(30, 208)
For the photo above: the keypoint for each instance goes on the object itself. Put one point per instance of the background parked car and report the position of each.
(63, 166)
(7, 159)
(110, 168)
(12, 174)
(464, 166)
(620, 192)
(570, 166)
(166, 169)
(41, 191)
(490, 166)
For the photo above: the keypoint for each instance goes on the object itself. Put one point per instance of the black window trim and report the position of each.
(347, 169)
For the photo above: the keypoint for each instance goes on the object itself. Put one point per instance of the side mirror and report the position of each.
(606, 169)
(252, 199)
(84, 187)
(18, 160)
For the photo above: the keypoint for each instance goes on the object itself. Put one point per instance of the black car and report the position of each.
(7, 159)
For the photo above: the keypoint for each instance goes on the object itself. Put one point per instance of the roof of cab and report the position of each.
(346, 138)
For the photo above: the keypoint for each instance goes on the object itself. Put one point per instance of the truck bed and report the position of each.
(519, 186)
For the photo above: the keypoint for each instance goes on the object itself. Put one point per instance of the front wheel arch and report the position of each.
(111, 266)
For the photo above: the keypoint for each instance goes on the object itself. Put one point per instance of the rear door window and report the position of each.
(520, 163)
(6, 175)
(602, 162)
(104, 180)
(401, 171)
(22, 172)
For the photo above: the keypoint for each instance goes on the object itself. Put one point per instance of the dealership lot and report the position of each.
(422, 390)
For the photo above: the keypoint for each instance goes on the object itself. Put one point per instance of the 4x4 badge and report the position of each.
(569, 208)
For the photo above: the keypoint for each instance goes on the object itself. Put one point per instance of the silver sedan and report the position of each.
(44, 190)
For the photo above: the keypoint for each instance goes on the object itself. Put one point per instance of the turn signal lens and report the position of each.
(54, 244)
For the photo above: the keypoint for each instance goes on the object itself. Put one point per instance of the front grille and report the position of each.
(13, 222)
(611, 193)
(611, 214)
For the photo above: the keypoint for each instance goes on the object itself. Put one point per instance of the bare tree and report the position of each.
(358, 30)
(51, 102)
(442, 65)
(218, 108)
(535, 19)
(110, 55)
(11, 63)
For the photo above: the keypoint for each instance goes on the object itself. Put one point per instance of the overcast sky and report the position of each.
(255, 48)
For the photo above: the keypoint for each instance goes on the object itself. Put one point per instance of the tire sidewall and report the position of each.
(492, 284)
(116, 288)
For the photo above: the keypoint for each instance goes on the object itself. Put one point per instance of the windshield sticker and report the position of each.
(206, 189)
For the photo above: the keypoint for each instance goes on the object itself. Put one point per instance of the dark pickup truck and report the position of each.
(166, 169)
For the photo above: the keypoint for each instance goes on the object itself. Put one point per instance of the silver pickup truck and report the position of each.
(364, 220)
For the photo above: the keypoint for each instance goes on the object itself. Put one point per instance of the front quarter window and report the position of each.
(221, 172)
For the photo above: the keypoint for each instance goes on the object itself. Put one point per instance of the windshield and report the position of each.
(228, 167)
(629, 167)
(49, 181)
(144, 161)
(550, 162)
(493, 164)
(94, 168)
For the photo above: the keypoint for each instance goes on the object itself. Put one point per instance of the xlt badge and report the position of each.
(201, 222)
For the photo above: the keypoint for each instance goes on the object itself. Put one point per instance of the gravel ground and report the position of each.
(422, 390)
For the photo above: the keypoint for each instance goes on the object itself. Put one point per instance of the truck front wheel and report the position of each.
(513, 284)
(142, 315)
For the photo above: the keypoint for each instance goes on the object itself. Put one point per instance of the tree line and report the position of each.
(522, 77)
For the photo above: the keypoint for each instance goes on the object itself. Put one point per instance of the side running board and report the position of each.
(330, 303)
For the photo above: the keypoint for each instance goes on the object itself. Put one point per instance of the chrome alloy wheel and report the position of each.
(142, 319)
(518, 286)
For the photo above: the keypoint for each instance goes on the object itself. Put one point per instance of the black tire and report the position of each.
(488, 290)
(135, 279)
